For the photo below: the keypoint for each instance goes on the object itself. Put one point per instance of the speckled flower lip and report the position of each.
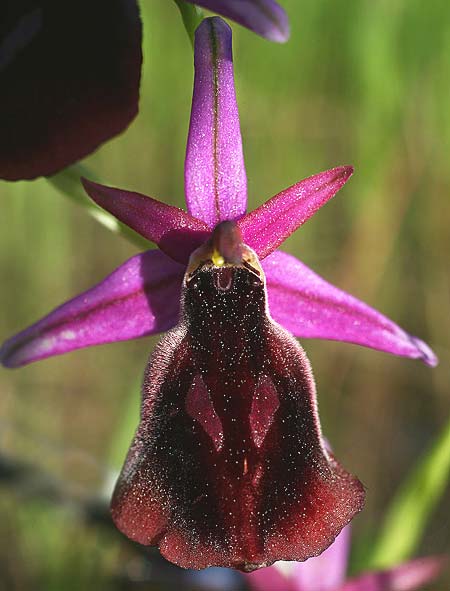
(227, 467)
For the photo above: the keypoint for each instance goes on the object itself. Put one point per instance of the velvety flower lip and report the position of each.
(227, 466)
(327, 572)
(299, 299)
(68, 84)
(264, 17)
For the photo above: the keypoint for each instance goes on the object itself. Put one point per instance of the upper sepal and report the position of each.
(215, 178)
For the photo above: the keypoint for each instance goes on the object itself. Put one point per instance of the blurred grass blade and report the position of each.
(68, 183)
(412, 505)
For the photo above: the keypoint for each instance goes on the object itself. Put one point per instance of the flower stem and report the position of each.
(192, 16)
(68, 182)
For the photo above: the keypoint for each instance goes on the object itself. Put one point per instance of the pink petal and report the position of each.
(265, 228)
(326, 571)
(139, 298)
(310, 307)
(264, 17)
(406, 577)
(172, 229)
(215, 179)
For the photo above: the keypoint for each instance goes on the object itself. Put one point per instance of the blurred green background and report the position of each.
(360, 82)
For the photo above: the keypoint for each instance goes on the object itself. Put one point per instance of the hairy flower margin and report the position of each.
(170, 489)
(65, 93)
(327, 572)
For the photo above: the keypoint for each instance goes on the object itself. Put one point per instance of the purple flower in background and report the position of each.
(227, 466)
(265, 17)
(69, 81)
(327, 572)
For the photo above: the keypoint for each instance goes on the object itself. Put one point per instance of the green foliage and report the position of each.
(412, 506)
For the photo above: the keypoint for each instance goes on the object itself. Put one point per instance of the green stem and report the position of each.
(68, 182)
(192, 16)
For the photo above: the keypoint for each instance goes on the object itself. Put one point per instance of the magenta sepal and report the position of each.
(310, 307)
(139, 298)
(215, 179)
(175, 232)
(264, 17)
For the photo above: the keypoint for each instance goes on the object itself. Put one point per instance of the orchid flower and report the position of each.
(327, 572)
(69, 80)
(227, 467)
(264, 17)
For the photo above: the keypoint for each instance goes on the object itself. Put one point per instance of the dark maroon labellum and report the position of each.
(228, 467)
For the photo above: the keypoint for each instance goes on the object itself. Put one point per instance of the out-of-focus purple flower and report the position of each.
(327, 572)
(265, 17)
(227, 467)
(69, 80)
